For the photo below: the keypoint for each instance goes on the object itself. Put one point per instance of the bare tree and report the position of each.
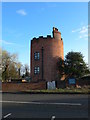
(27, 73)
(10, 65)
(19, 65)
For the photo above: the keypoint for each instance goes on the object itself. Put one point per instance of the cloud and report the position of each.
(84, 29)
(9, 43)
(76, 30)
(21, 12)
(83, 36)
(82, 32)
(5, 42)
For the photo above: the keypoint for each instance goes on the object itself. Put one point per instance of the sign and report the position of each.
(72, 81)
(51, 85)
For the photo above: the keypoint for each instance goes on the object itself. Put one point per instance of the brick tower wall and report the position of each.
(53, 49)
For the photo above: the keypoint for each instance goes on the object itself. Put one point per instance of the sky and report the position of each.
(21, 21)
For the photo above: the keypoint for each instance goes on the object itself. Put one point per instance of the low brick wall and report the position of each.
(11, 87)
(61, 84)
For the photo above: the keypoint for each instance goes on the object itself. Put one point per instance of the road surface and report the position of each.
(44, 106)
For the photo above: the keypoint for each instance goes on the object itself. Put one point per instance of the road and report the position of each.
(44, 106)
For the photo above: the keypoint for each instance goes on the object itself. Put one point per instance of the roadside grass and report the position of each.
(65, 90)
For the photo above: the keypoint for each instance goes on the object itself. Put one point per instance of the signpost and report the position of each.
(72, 81)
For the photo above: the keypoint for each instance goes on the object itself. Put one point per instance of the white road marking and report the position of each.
(21, 102)
(7, 115)
(53, 118)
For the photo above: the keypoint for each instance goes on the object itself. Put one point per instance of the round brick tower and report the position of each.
(44, 54)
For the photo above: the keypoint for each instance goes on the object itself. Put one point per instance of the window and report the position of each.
(36, 55)
(36, 70)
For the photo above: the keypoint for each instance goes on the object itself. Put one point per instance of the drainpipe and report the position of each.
(42, 62)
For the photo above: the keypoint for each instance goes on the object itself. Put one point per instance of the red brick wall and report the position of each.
(7, 87)
(53, 48)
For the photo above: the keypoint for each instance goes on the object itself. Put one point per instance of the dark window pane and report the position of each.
(36, 70)
(36, 55)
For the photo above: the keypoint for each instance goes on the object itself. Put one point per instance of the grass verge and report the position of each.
(60, 90)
